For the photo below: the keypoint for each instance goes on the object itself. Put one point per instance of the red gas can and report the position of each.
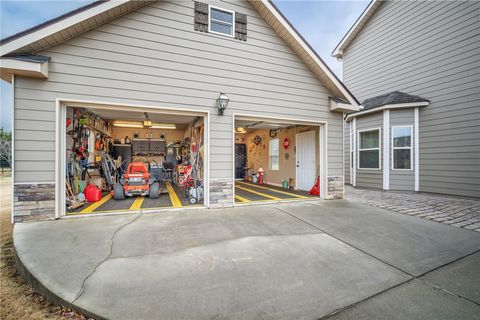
(92, 193)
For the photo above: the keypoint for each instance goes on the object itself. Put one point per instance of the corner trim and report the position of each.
(386, 149)
(416, 150)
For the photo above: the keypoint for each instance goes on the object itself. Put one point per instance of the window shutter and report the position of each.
(201, 16)
(240, 26)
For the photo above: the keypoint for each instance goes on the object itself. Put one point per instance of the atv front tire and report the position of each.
(154, 190)
(118, 193)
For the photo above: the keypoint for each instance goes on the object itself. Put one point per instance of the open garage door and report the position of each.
(120, 159)
(276, 160)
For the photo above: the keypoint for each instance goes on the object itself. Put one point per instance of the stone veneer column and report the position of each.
(221, 192)
(34, 202)
(334, 188)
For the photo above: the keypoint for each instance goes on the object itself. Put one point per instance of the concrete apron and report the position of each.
(282, 261)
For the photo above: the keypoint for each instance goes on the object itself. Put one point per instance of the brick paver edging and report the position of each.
(456, 211)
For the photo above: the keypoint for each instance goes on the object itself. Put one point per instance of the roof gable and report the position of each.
(356, 28)
(91, 16)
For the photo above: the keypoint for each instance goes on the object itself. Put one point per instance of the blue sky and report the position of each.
(322, 24)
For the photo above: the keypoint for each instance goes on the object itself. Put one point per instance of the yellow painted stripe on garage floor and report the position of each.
(137, 204)
(173, 196)
(97, 204)
(271, 189)
(258, 193)
(242, 199)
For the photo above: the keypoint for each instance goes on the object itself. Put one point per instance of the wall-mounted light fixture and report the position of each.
(222, 103)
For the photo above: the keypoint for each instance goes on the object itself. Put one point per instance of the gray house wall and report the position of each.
(154, 57)
(430, 49)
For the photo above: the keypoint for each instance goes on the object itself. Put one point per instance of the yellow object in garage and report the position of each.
(173, 196)
(97, 204)
(137, 204)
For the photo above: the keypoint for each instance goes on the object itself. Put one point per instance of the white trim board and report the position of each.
(11, 66)
(387, 106)
(354, 153)
(416, 137)
(386, 147)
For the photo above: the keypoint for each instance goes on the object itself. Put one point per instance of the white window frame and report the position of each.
(270, 156)
(379, 129)
(210, 7)
(399, 148)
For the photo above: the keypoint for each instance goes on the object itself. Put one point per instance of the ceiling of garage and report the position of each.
(158, 117)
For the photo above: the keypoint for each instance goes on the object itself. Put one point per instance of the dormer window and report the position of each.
(221, 21)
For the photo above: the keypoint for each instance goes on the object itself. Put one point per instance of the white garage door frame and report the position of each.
(322, 142)
(60, 146)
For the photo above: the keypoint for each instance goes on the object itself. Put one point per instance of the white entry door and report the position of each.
(306, 172)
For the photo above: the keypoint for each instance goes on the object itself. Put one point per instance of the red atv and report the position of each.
(136, 181)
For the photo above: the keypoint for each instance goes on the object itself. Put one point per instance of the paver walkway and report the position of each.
(451, 210)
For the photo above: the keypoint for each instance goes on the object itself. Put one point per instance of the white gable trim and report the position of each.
(49, 30)
(355, 29)
(273, 10)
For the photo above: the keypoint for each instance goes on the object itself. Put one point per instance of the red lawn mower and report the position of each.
(136, 181)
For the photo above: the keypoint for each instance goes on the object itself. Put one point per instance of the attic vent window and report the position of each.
(221, 21)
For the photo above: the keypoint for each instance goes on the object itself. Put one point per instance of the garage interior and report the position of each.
(275, 161)
(129, 160)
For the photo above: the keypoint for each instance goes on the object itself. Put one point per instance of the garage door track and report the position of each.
(335, 259)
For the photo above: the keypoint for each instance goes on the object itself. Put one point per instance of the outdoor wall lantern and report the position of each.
(222, 103)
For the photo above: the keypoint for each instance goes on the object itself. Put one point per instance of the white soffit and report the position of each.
(68, 26)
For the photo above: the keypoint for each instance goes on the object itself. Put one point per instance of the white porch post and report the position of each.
(354, 160)
(416, 152)
(350, 151)
(386, 149)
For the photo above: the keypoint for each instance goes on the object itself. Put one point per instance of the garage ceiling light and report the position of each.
(144, 124)
(240, 130)
(163, 126)
(128, 124)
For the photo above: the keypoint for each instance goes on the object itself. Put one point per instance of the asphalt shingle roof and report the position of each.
(394, 97)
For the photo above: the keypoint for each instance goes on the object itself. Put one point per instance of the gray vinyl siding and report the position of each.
(154, 57)
(370, 178)
(402, 179)
(431, 49)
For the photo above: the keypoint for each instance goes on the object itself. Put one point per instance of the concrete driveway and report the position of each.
(337, 259)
